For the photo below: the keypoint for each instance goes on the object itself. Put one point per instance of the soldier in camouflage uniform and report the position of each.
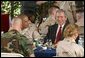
(14, 42)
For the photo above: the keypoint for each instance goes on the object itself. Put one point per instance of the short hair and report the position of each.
(69, 30)
(14, 22)
(52, 8)
(18, 20)
(23, 16)
(20, 17)
(61, 10)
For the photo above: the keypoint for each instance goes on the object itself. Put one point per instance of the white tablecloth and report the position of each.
(11, 55)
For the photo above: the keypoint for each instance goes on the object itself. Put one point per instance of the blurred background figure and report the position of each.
(80, 18)
(50, 20)
(80, 23)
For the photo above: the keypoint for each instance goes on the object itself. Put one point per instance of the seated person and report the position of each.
(14, 42)
(50, 20)
(68, 47)
(30, 29)
(55, 32)
(27, 28)
(23, 45)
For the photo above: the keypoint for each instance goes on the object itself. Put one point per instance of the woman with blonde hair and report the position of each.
(68, 47)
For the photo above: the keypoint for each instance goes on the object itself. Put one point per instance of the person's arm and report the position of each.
(44, 24)
(26, 46)
(36, 35)
(48, 35)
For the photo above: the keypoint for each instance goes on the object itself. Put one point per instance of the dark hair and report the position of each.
(77, 11)
(29, 16)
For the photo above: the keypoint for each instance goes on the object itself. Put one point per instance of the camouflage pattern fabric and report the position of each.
(13, 41)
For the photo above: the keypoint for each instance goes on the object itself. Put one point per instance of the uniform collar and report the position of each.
(69, 40)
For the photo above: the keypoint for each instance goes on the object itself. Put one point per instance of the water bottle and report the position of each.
(81, 41)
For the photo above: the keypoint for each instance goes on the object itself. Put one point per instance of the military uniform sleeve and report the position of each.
(36, 35)
(26, 46)
(45, 24)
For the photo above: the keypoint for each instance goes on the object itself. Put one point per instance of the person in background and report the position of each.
(50, 20)
(31, 32)
(80, 18)
(80, 23)
(68, 47)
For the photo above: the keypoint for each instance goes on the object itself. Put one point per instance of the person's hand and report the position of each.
(34, 45)
(55, 45)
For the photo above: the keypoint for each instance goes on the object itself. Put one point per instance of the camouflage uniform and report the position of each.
(13, 41)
